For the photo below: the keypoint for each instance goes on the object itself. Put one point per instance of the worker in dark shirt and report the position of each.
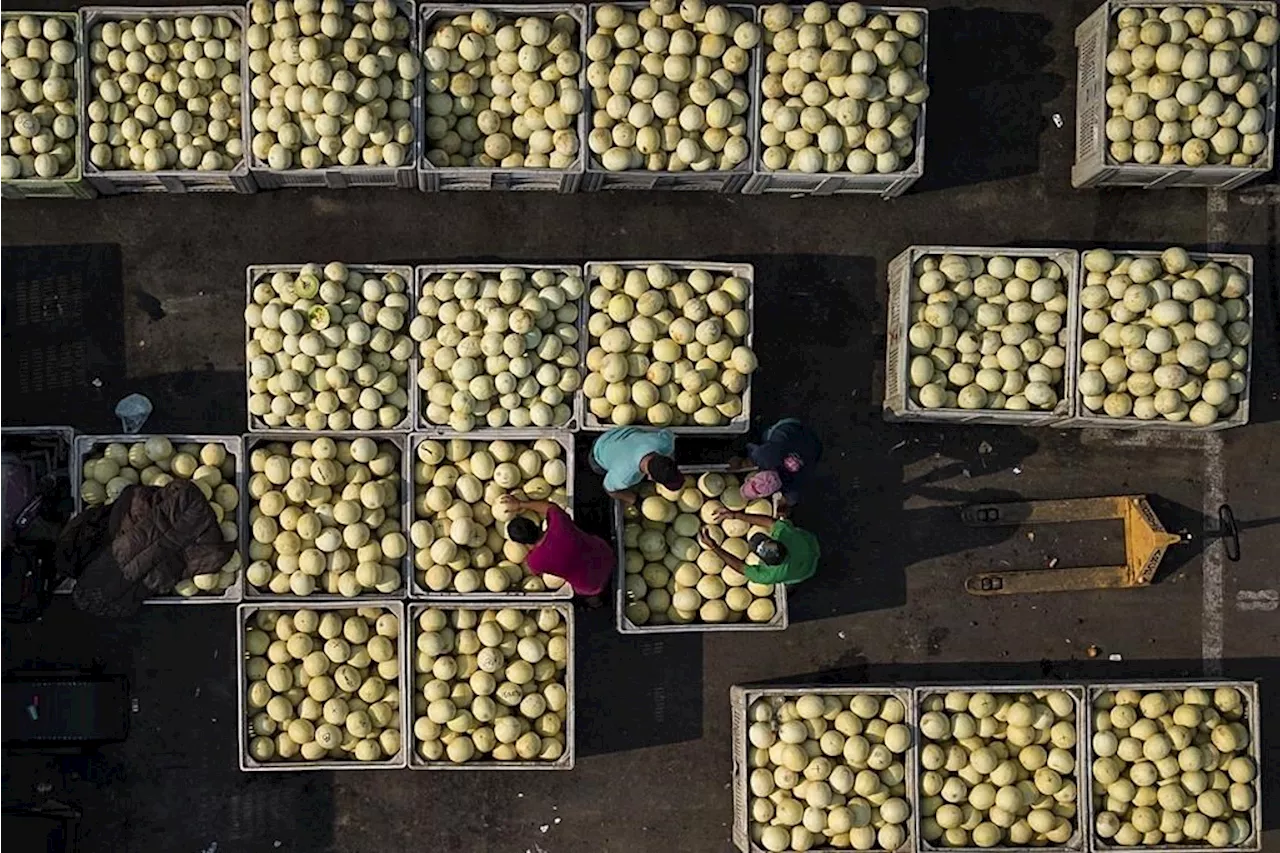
(784, 462)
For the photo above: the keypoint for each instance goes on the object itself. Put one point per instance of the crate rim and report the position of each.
(754, 67)
(1253, 701)
(83, 443)
(1083, 821)
(740, 269)
(251, 441)
(914, 172)
(741, 697)
(781, 617)
(79, 161)
(417, 592)
(1070, 275)
(425, 13)
(253, 275)
(569, 757)
(1240, 417)
(576, 408)
(250, 765)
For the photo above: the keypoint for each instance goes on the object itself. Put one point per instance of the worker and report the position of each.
(628, 455)
(563, 549)
(787, 554)
(784, 462)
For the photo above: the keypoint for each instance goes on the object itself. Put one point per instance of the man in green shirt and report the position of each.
(787, 554)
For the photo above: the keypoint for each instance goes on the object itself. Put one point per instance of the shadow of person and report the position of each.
(857, 505)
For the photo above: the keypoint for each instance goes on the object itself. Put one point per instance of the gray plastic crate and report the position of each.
(836, 183)
(741, 698)
(1083, 820)
(739, 424)
(65, 434)
(344, 177)
(255, 273)
(247, 502)
(85, 445)
(565, 762)
(577, 404)
(1082, 417)
(118, 181)
(73, 184)
(1094, 166)
(732, 181)
(1253, 711)
(780, 619)
(251, 765)
(897, 399)
(433, 178)
(564, 439)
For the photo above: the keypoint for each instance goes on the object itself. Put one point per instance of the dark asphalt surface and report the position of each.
(653, 724)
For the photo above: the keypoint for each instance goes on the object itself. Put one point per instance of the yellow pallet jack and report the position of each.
(1145, 542)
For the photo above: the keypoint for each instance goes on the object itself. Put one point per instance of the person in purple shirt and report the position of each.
(784, 462)
(561, 548)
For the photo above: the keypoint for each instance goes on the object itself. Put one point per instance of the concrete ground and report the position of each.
(654, 761)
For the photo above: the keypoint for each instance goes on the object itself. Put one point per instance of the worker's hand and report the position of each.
(628, 497)
(510, 503)
(704, 538)
(720, 513)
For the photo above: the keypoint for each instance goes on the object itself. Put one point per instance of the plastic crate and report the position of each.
(73, 185)
(732, 181)
(344, 177)
(564, 762)
(780, 619)
(564, 439)
(1083, 820)
(118, 181)
(1094, 166)
(85, 445)
(836, 183)
(741, 698)
(247, 502)
(433, 178)
(897, 400)
(739, 424)
(251, 765)
(577, 404)
(1084, 418)
(254, 274)
(1253, 710)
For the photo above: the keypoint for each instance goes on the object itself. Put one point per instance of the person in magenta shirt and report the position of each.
(562, 548)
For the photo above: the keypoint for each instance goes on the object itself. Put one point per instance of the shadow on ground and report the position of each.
(63, 338)
(181, 664)
(988, 89)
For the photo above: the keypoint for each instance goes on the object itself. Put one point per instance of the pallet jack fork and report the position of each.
(1145, 541)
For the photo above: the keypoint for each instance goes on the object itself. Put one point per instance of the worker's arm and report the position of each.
(704, 537)
(514, 504)
(762, 573)
(749, 517)
(627, 496)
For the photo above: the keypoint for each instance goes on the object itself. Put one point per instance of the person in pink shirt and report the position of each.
(562, 548)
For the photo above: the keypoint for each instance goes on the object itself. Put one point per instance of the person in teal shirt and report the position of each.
(626, 456)
(787, 554)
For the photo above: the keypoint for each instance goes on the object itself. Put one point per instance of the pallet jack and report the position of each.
(1145, 543)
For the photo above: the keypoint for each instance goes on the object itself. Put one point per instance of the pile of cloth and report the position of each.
(140, 546)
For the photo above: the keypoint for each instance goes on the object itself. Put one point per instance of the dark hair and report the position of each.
(770, 551)
(662, 469)
(523, 530)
